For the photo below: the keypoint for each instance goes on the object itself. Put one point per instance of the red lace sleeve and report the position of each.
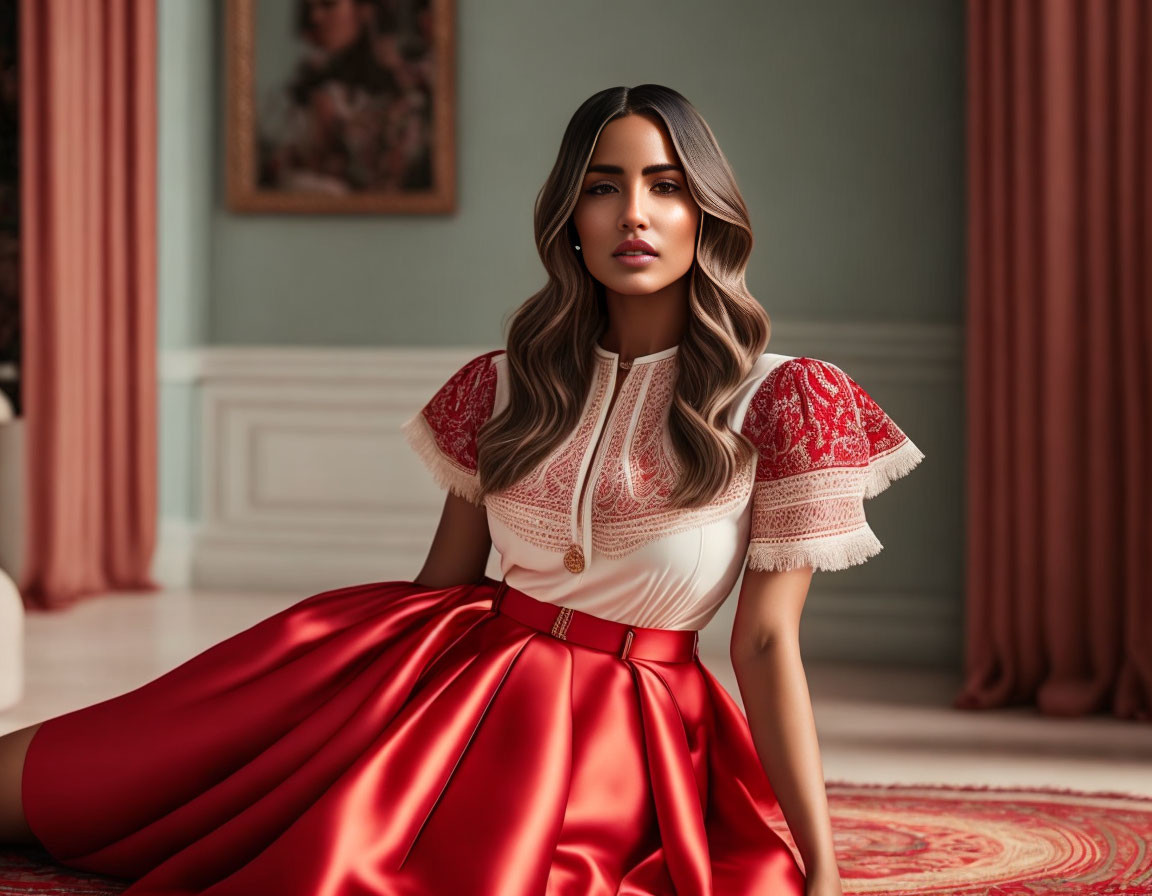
(824, 446)
(444, 432)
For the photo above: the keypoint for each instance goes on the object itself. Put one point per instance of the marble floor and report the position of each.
(878, 724)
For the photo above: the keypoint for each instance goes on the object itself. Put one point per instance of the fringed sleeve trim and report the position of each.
(885, 469)
(829, 553)
(448, 474)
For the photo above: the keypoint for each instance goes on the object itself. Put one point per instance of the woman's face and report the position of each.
(334, 23)
(635, 189)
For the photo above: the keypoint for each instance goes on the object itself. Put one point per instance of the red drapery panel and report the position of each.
(88, 225)
(1058, 366)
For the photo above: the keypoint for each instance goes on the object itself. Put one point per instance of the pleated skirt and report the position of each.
(397, 740)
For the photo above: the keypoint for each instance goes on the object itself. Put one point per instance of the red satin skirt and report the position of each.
(398, 740)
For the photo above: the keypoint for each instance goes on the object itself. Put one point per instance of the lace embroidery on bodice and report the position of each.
(630, 476)
(823, 443)
(632, 491)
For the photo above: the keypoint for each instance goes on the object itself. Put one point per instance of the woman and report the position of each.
(554, 732)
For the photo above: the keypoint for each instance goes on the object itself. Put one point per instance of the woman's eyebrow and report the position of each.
(648, 169)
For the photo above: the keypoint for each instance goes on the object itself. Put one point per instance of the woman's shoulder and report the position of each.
(761, 371)
(486, 361)
(476, 380)
(792, 379)
(771, 367)
(807, 413)
(444, 431)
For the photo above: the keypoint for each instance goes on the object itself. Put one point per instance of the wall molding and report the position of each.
(306, 482)
(896, 347)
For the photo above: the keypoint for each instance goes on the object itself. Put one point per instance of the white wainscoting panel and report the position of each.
(306, 482)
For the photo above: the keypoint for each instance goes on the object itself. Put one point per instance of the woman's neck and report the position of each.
(641, 325)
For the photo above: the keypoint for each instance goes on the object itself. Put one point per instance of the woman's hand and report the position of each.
(823, 881)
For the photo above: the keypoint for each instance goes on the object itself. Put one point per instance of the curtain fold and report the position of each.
(1059, 356)
(88, 224)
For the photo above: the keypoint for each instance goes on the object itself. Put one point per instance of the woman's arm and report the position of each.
(460, 548)
(765, 653)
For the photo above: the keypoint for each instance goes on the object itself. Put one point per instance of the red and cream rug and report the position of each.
(896, 840)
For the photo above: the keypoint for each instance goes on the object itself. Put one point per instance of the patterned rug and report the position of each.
(898, 840)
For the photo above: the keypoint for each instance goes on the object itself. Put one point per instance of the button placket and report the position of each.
(576, 556)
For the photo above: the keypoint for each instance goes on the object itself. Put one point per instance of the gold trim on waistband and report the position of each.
(560, 626)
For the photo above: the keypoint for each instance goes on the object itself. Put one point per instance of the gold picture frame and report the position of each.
(363, 123)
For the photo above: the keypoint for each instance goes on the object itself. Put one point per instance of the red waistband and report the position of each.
(660, 644)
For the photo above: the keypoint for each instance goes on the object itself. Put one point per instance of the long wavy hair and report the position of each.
(550, 353)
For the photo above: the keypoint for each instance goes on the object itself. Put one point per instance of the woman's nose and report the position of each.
(634, 214)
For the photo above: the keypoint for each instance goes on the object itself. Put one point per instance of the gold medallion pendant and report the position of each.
(574, 559)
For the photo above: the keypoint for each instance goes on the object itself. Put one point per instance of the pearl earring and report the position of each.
(576, 246)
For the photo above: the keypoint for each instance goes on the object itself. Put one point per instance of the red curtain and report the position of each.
(1058, 366)
(88, 229)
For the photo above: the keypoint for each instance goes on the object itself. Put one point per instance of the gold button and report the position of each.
(574, 559)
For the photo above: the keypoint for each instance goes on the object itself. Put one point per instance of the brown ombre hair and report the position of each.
(551, 336)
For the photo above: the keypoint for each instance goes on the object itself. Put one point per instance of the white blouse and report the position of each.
(619, 550)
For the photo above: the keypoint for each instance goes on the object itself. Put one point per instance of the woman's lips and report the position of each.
(636, 261)
(635, 246)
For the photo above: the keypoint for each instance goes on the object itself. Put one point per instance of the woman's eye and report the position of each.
(672, 185)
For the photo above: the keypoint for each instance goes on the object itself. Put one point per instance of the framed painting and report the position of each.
(341, 106)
